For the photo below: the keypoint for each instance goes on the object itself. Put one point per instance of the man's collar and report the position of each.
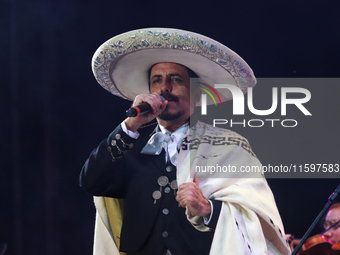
(181, 129)
(191, 121)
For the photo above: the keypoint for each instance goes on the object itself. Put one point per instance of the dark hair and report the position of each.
(191, 73)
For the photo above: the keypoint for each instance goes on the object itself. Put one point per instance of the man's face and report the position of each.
(333, 234)
(172, 81)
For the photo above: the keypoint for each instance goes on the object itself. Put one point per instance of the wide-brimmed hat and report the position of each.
(121, 64)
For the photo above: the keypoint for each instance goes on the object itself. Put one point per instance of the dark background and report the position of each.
(53, 112)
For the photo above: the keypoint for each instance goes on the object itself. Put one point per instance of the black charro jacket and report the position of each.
(133, 178)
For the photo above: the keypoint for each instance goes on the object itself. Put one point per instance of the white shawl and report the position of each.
(249, 222)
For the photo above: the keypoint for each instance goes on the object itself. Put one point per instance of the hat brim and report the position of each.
(121, 64)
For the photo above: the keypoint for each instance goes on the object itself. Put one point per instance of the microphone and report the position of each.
(140, 109)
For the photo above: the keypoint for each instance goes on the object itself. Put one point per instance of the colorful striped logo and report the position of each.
(209, 93)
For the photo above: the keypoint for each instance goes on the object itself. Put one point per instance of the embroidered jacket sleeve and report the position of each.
(103, 173)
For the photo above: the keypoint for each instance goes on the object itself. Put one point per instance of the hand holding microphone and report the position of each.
(140, 109)
(153, 104)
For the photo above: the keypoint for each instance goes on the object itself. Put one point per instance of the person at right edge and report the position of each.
(163, 207)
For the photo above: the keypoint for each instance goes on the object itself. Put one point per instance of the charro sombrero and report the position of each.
(121, 64)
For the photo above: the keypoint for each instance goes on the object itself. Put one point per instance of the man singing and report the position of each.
(148, 197)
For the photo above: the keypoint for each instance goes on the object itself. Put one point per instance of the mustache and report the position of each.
(170, 97)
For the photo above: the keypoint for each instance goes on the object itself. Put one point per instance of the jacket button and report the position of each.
(165, 234)
(165, 211)
(168, 169)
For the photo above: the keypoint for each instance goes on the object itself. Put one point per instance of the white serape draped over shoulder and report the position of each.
(249, 222)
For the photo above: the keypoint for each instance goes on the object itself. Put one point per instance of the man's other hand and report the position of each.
(190, 195)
